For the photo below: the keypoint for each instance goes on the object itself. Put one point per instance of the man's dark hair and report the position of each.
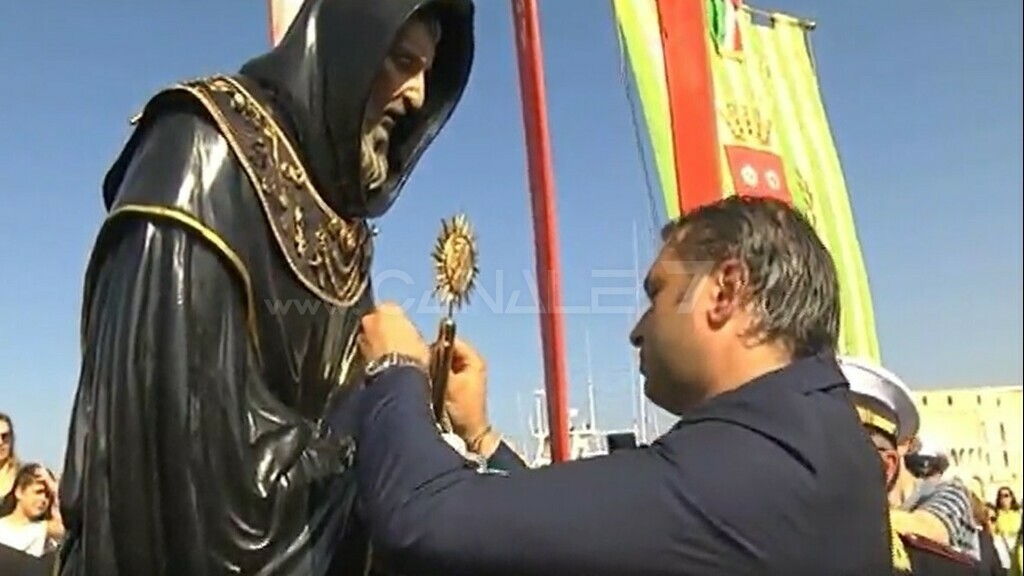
(25, 477)
(791, 278)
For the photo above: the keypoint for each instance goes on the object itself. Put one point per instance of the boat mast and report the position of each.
(524, 422)
(641, 399)
(540, 429)
(545, 228)
(591, 401)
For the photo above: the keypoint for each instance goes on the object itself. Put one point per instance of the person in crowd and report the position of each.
(9, 464)
(766, 473)
(1008, 513)
(1007, 522)
(880, 399)
(937, 509)
(1017, 568)
(1004, 549)
(34, 525)
(927, 460)
(990, 562)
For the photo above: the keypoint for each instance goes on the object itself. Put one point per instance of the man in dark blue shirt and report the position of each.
(767, 473)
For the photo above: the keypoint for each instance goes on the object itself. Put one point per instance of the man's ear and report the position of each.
(726, 289)
(890, 466)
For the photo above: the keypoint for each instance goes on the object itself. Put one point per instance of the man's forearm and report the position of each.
(921, 523)
(429, 512)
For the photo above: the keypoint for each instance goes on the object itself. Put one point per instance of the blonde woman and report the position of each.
(1007, 522)
(9, 464)
(1008, 514)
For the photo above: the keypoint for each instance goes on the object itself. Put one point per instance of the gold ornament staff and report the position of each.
(455, 270)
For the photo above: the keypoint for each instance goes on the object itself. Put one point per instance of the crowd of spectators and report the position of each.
(31, 528)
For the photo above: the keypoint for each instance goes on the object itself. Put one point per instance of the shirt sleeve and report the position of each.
(950, 503)
(656, 510)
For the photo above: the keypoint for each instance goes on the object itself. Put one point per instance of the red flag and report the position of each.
(691, 100)
(757, 173)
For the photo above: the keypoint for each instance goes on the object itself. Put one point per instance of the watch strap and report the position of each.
(391, 360)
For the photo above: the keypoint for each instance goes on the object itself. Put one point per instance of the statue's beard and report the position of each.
(373, 162)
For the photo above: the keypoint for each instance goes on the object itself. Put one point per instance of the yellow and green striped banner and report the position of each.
(770, 133)
(639, 26)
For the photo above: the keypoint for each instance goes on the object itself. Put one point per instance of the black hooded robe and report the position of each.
(221, 304)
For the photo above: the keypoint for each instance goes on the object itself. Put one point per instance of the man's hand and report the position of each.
(388, 330)
(49, 481)
(54, 524)
(466, 400)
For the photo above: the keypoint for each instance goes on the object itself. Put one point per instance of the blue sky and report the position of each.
(924, 100)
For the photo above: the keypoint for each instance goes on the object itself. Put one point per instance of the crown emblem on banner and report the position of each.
(748, 125)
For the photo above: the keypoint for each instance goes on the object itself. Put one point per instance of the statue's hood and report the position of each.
(320, 75)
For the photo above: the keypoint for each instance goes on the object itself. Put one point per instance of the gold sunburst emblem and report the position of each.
(455, 262)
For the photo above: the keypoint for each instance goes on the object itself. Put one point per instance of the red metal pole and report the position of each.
(545, 226)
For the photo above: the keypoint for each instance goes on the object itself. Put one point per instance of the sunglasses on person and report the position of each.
(1005, 495)
(6, 436)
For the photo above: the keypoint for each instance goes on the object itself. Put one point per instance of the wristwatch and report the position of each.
(391, 360)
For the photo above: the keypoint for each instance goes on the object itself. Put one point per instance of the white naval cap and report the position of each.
(930, 448)
(871, 380)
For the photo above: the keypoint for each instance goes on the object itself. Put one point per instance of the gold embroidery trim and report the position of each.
(329, 254)
(900, 556)
(192, 224)
(876, 420)
(348, 357)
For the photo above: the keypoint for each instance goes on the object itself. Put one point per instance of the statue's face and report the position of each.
(399, 91)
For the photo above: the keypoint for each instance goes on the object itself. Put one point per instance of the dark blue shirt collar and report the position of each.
(802, 376)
